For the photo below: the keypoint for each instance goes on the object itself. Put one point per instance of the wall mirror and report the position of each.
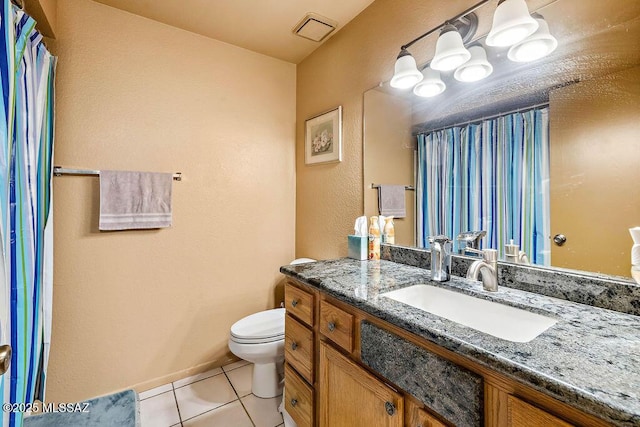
(591, 85)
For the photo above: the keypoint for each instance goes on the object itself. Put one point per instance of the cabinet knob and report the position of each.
(390, 408)
(294, 302)
(294, 345)
(294, 402)
(331, 326)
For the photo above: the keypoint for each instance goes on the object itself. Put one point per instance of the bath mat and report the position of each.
(118, 409)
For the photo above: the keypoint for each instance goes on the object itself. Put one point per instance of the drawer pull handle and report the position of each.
(294, 302)
(390, 408)
(294, 345)
(294, 402)
(331, 326)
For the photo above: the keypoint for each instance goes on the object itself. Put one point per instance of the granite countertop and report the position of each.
(589, 359)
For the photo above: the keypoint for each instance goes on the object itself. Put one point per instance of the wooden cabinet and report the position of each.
(337, 325)
(299, 355)
(521, 414)
(299, 303)
(424, 419)
(419, 417)
(351, 397)
(298, 347)
(326, 384)
(299, 397)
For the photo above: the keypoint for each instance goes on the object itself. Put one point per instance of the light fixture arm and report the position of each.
(455, 18)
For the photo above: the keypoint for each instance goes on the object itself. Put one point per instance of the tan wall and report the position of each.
(362, 54)
(594, 155)
(388, 156)
(143, 307)
(46, 15)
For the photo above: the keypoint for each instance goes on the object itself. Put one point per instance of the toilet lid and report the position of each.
(261, 327)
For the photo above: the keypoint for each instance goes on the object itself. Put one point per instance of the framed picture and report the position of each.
(323, 138)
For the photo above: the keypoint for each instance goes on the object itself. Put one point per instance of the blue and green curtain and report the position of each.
(26, 222)
(492, 176)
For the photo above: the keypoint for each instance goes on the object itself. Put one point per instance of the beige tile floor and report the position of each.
(220, 397)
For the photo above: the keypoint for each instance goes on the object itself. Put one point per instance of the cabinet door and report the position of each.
(418, 417)
(521, 414)
(351, 397)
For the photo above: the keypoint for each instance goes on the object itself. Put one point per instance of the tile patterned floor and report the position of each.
(219, 397)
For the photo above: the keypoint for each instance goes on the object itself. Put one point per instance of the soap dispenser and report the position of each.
(374, 238)
(511, 251)
(389, 233)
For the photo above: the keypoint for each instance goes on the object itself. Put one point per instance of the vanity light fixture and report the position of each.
(450, 50)
(406, 72)
(513, 26)
(537, 45)
(511, 23)
(476, 68)
(431, 84)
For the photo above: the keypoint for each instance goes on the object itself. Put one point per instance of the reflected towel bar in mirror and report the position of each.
(406, 187)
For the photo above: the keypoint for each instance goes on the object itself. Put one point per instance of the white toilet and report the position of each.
(259, 339)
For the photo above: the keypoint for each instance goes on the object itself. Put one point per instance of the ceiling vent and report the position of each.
(314, 27)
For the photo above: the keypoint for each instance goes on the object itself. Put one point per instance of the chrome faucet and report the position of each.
(512, 253)
(488, 266)
(440, 258)
(469, 240)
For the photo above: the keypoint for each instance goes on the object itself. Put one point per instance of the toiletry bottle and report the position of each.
(511, 252)
(374, 238)
(389, 233)
(635, 254)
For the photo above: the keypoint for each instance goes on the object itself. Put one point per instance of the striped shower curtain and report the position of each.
(491, 176)
(26, 223)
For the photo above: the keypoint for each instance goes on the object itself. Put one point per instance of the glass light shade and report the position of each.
(431, 84)
(539, 44)
(450, 51)
(406, 72)
(511, 24)
(477, 68)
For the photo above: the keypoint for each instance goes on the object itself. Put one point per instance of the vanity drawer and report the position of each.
(337, 325)
(299, 398)
(299, 303)
(298, 347)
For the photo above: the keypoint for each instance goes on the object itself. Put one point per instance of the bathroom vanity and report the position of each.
(356, 357)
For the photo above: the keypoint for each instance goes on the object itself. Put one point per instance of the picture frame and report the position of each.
(323, 138)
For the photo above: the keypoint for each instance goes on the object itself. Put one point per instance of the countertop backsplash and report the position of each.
(610, 292)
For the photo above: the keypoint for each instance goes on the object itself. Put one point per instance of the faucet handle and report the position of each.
(469, 240)
(440, 238)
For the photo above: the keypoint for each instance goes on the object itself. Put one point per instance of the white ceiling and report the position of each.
(262, 26)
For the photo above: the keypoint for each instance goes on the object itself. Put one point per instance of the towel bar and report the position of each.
(59, 170)
(406, 187)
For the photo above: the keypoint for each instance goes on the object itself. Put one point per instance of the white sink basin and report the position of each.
(499, 320)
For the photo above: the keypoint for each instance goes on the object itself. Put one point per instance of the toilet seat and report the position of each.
(263, 327)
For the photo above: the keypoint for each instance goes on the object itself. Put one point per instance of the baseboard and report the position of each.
(165, 379)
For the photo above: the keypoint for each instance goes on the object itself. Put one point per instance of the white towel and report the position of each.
(135, 200)
(391, 201)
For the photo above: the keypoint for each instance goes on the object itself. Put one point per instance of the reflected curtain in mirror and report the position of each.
(492, 176)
